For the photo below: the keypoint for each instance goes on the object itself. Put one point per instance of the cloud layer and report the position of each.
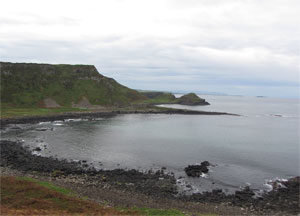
(236, 47)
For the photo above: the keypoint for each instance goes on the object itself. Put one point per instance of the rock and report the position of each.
(205, 163)
(16, 128)
(217, 191)
(197, 170)
(192, 99)
(37, 149)
(245, 194)
(43, 129)
(57, 173)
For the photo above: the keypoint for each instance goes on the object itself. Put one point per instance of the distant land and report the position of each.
(63, 87)
(198, 92)
(46, 85)
(185, 92)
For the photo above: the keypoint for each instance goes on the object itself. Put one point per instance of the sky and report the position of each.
(237, 47)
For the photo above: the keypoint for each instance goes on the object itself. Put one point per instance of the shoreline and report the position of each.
(102, 114)
(154, 186)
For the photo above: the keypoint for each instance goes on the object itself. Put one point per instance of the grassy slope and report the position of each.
(26, 85)
(163, 98)
(26, 196)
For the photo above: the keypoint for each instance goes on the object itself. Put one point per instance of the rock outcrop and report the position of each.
(191, 99)
(197, 170)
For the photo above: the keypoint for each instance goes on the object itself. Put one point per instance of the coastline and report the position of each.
(102, 114)
(131, 185)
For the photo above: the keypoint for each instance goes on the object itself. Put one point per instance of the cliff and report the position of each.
(47, 85)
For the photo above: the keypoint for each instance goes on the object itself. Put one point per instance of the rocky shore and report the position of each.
(15, 156)
(283, 200)
(102, 114)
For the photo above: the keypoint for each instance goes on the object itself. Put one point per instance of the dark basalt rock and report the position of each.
(14, 155)
(245, 194)
(205, 163)
(5, 122)
(37, 149)
(197, 170)
(280, 201)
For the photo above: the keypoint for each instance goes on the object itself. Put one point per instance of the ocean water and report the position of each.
(260, 145)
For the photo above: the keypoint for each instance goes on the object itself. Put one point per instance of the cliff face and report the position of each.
(45, 85)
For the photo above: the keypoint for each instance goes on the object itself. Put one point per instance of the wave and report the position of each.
(274, 184)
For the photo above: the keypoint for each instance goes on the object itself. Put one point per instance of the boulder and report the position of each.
(197, 170)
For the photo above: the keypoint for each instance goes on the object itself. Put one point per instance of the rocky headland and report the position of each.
(192, 99)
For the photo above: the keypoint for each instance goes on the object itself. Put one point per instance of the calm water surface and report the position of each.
(261, 144)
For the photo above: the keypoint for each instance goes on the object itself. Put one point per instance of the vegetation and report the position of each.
(47, 185)
(191, 99)
(163, 97)
(168, 98)
(8, 112)
(27, 85)
(27, 196)
(29, 89)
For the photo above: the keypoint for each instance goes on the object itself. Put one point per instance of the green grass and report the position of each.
(164, 98)
(159, 212)
(27, 85)
(19, 112)
(48, 185)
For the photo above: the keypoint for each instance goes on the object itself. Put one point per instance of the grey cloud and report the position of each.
(211, 58)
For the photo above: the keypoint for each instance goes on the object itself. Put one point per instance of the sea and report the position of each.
(253, 149)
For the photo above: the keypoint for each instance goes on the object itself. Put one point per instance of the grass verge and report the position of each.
(159, 212)
(21, 112)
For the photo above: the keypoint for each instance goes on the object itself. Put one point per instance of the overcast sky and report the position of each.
(244, 47)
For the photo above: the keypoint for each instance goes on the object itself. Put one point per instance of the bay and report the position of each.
(259, 145)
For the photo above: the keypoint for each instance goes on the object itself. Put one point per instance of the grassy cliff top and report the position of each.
(61, 85)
